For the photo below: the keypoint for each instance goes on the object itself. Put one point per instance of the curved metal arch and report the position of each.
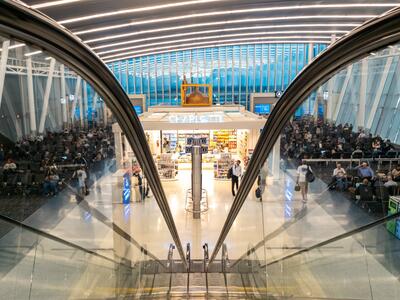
(375, 34)
(22, 23)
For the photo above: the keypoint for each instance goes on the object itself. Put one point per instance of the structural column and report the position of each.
(3, 66)
(363, 94)
(276, 159)
(76, 96)
(31, 97)
(379, 91)
(47, 95)
(63, 99)
(118, 145)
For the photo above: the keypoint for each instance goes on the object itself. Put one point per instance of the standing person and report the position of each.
(236, 173)
(302, 180)
(137, 180)
(81, 175)
(262, 181)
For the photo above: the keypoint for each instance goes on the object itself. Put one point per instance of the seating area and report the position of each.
(365, 167)
(44, 165)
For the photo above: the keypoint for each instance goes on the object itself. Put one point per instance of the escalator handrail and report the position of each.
(373, 35)
(337, 238)
(23, 23)
(57, 239)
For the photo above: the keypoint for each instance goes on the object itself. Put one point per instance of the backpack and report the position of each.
(230, 173)
(309, 175)
(258, 193)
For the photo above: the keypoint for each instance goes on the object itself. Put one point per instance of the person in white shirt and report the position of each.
(9, 166)
(339, 177)
(302, 181)
(390, 182)
(81, 174)
(236, 173)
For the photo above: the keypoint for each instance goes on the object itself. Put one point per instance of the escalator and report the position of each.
(296, 258)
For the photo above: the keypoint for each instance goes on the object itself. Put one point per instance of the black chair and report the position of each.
(394, 190)
(382, 196)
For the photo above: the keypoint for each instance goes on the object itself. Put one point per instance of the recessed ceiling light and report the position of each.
(217, 37)
(33, 53)
(53, 3)
(192, 16)
(135, 41)
(135, 10)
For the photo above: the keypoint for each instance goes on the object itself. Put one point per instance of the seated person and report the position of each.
(396, 173)
(364, 171)
(339, 177)
(364, 190)
(390, 182)
(50, 184)
(9, 166)
(358, 153)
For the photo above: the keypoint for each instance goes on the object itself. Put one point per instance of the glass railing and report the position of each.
(51, 268)
(66, 165)
(334, 168)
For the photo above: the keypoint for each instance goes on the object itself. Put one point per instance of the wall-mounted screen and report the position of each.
(138, 109)
(262, 109)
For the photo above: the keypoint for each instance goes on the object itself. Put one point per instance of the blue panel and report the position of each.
(262, 109)
(234, 71)
(138, 109)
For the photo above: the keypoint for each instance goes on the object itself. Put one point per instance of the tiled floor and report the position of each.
(281, 219)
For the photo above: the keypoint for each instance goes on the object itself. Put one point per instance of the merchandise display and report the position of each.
(167, 166)
(224, 138)
(222, 165)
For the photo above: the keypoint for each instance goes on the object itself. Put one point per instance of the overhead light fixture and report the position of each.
(192, 16)
(53, 3)
(213, 37)
(215, 30)
(216, 45)
(135, 10)
(223, 12)
(33, 53)
(248, 40)
(116, 36)
(14, 46)
(48, 58)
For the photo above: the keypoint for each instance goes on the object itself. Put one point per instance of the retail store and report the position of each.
(228, 132)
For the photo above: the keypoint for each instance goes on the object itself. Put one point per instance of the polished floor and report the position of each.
(36, 268)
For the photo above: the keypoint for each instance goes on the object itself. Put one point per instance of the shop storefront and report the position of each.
(230, 133)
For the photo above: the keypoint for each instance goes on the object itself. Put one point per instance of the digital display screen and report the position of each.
(138, 109)
(126, 192)
(262, 109)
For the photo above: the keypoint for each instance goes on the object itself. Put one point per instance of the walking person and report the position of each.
(236, 174)
(81, 175)
(303, 172)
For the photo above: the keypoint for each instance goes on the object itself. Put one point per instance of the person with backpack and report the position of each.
(304, 176)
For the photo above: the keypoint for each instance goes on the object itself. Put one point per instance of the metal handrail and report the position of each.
(373, 35)
(32, 27)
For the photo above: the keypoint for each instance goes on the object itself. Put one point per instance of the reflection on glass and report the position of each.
(66, 168)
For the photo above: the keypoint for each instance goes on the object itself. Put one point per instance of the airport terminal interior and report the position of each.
(200, 149)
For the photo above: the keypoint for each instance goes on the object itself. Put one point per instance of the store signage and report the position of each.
(196, 118)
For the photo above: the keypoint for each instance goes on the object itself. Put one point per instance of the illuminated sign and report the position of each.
(262, 109)
(193, 119)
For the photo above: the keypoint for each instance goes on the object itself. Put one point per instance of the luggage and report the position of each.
(230, 173)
